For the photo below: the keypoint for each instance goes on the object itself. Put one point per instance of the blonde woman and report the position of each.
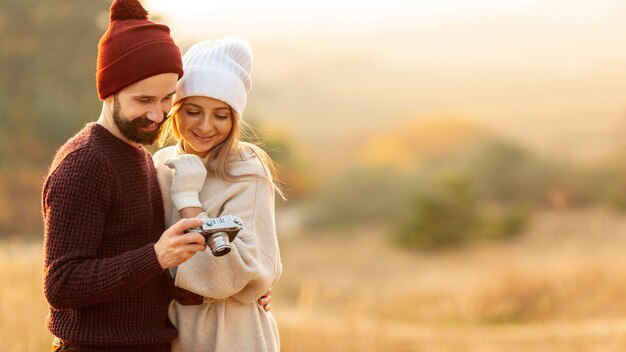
(211, 173)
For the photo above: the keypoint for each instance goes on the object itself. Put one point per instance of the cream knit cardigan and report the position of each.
(230, 319)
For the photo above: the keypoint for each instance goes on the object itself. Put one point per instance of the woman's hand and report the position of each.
(265, 300)
(189, 176)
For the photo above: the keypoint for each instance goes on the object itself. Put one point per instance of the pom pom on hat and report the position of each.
(220, 70)
(133, 48)
(127, 10)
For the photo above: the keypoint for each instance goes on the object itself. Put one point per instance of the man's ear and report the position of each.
(109, 99)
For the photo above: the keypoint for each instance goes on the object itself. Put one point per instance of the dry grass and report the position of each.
(558, 288)
(23, 306)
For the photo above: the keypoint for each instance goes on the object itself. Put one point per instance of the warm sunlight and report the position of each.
(325, 7)
(527, 60)
(454, 173)
(196, 15)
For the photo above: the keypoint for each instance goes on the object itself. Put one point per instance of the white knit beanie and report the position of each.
(218, 69)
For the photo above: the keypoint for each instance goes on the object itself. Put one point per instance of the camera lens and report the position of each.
(219, 244)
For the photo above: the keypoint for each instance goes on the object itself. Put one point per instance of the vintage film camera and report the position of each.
(219, 232)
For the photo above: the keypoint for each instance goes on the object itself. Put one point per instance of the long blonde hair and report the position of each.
(223, 152)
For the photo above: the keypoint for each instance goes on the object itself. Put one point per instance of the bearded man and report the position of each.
(106, 247)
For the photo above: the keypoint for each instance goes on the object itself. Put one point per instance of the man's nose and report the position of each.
(155, 114)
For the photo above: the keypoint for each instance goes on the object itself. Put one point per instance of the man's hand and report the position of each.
(175, 247)
(265, 300)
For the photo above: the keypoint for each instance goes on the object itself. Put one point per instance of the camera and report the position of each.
(219, 232)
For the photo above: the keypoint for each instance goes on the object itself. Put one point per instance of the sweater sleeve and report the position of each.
(75, 201)
(164, 177)
(253, 265)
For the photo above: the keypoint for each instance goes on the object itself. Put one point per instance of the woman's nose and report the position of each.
(205, 124)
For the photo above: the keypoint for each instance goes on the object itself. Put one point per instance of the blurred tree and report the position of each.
(47, 59)
(47, 63)
(446, 214)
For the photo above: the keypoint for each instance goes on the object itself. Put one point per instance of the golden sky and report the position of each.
(274, 16)
(549, 71)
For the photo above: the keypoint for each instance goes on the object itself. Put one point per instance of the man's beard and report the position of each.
(131, 129)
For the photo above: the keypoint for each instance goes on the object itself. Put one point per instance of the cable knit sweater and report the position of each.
(230, 319)
(102, 213)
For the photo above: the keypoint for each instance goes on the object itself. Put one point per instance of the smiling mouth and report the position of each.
(202, 138)
(150, 127)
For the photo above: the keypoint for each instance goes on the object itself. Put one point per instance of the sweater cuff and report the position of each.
(184, 200)
(147, 264)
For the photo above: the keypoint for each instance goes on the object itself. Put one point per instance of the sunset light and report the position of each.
(453, 173)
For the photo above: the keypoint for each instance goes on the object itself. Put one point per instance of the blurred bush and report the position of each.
(451, 212)
(486, 191)
(491, 196)
(504, 172)
(444, 214)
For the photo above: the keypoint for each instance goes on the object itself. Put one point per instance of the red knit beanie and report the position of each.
(133, 48)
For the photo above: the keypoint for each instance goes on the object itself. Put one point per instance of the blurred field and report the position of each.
(559, 287)
(23, 306)
(387, 111)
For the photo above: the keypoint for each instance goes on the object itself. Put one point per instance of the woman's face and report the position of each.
(203, 124)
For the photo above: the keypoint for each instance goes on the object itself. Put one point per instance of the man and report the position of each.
(106, 247)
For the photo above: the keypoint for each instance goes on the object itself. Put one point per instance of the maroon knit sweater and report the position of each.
(102, 213)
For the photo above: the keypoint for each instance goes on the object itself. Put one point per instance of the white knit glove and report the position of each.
(189, 176)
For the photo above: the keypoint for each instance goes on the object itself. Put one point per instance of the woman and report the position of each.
(210, 172)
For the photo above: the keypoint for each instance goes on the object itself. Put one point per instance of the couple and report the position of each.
(109, 256)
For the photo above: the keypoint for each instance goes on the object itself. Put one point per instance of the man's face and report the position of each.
(139, 129)
(140, 109)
